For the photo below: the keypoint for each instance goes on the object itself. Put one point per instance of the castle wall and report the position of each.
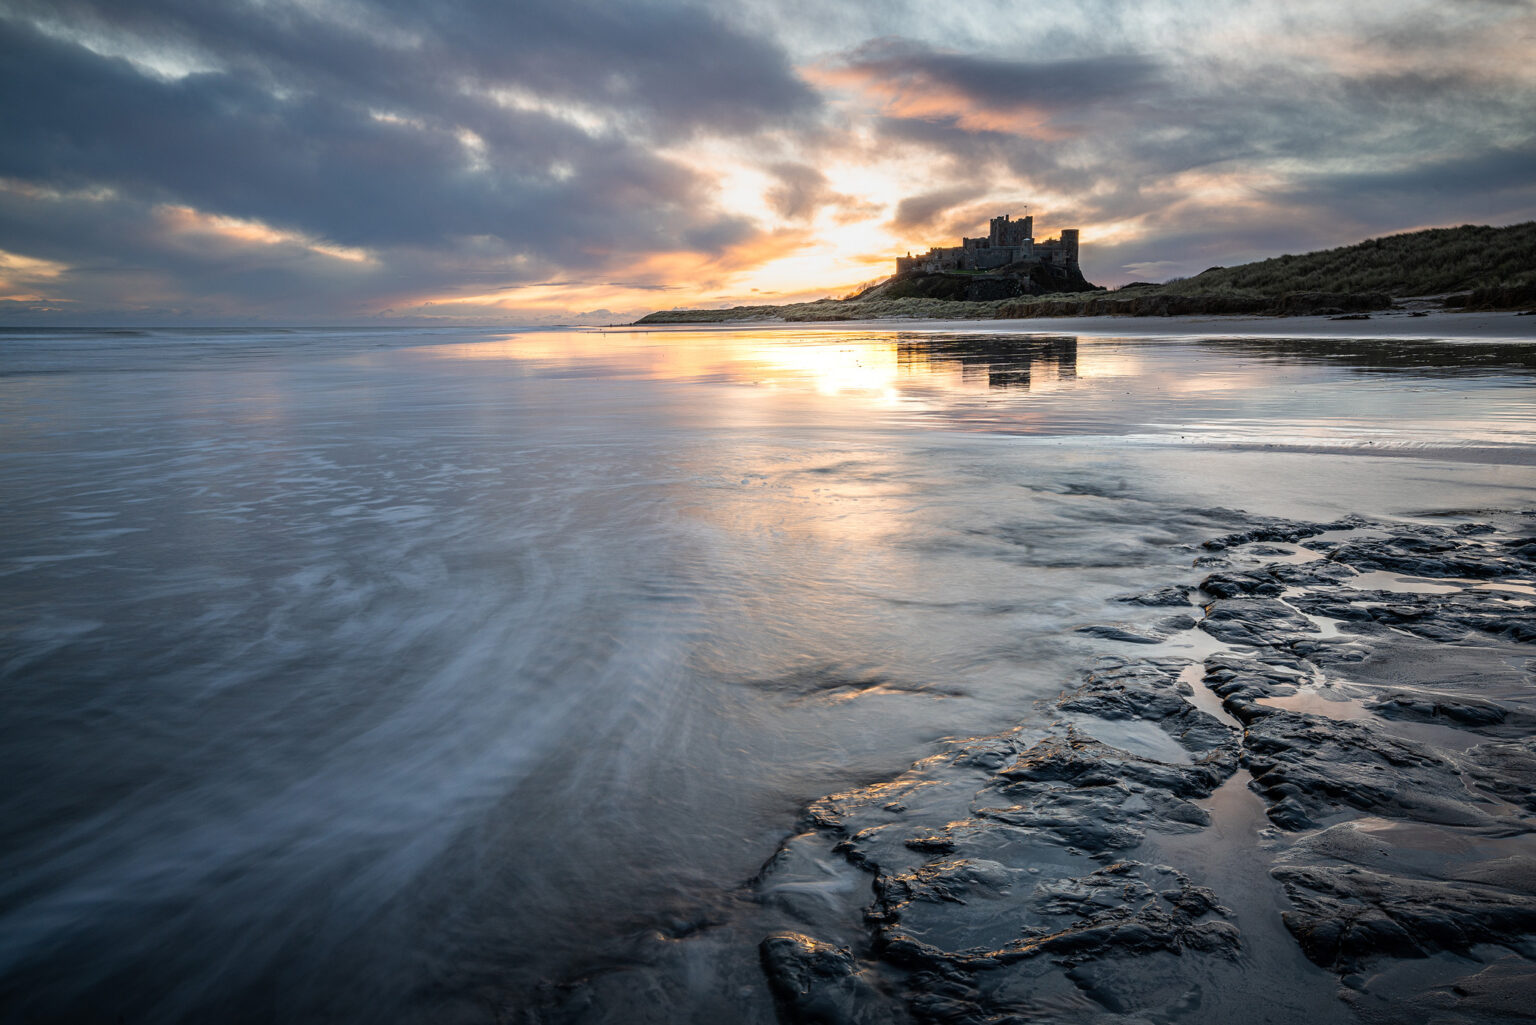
(996, 256)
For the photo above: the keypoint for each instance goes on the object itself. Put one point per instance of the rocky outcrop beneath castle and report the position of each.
(1006, 283)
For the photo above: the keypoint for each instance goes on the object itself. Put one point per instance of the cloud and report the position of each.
(1487, 172)
(666, 67)
(923, 212)
(999, 83)
(801, 189)
(1240, 138)
(336, 157)
(984, 93)
(493, 140)
(327, 165)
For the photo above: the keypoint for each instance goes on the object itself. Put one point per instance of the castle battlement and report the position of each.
(1008, 242)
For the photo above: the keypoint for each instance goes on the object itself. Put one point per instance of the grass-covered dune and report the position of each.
(1433, 262)
(1474, 267)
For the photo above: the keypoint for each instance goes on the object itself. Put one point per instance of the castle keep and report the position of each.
(1009, 242)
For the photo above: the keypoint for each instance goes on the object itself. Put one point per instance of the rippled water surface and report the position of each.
(406, 676)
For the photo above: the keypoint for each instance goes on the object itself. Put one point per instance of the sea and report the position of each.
(472, 675)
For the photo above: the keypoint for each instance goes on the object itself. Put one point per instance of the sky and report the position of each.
(566, 161)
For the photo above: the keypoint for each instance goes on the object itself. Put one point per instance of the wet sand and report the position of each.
(474, 676)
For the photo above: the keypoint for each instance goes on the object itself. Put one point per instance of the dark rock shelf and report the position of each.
(1082, 869)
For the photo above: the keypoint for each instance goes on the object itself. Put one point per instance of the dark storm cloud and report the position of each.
(1493, 170)
(1495, 184)
(679, 67)
(481, 133)
(918, 213)
(1000, 83)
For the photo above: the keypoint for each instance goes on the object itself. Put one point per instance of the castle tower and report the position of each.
(1008, 232)
(1069, 246)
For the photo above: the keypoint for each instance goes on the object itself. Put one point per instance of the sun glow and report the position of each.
(831, 365)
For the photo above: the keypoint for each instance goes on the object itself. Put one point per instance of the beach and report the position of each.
(1171, 669)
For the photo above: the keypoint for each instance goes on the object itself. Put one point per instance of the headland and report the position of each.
(1008, 275)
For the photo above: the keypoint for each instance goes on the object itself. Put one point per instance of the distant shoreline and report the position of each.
(1385, 324)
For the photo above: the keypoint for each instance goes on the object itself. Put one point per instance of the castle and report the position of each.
(1008, 242)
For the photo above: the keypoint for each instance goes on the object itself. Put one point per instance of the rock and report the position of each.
(1500, 992)
(816, 983)
(1126, 908)
(1365, 891)
(1309, 768)
(1115, 633)
(1235, 584)
(1001, 867)
(1468, 712)
(1090, 797)
(1254, 622)
(1085, 763)
(1506, 769)
(1116, 690)
(1314, 573)
(1344, 916)
(1439, 617)
(1272, 528)
(1433, 551)
(1241, 682)
(1173, 597)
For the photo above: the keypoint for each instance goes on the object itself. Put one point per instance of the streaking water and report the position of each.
(391, 675)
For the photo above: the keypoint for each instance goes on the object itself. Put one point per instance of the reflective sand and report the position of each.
(389, 674)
